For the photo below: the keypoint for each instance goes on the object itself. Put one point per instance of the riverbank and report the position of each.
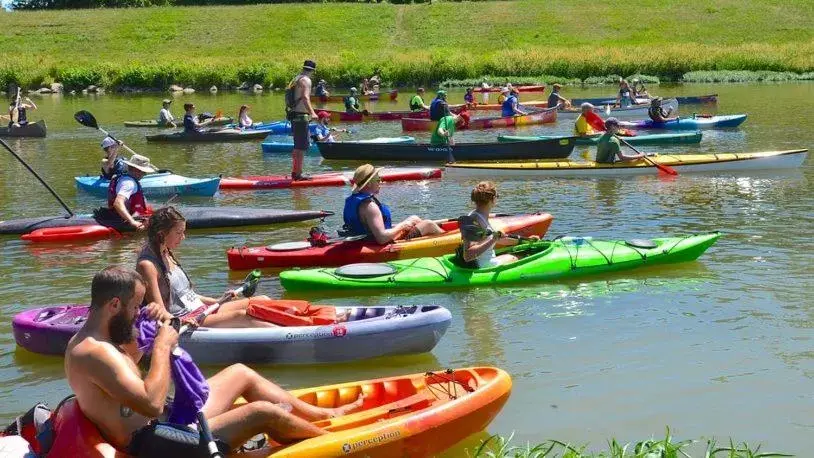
(224, 46)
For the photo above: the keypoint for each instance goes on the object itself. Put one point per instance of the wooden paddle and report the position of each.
(662, 168)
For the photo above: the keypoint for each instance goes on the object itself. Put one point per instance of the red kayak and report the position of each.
(342, 116)
(536, 88)
(392, 95)
(326, 179)
(544, 116)
(302, 254)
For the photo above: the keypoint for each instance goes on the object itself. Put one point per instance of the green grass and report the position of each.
(413, 44)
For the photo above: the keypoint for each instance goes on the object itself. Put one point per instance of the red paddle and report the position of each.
(662, 168)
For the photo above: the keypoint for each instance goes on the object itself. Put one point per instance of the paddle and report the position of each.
(470, 229)
(38, 177)
(247, 289)
(88, 120)
(662, 168)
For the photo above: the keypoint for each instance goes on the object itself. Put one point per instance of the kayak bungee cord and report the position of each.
(445, 385)
(412, 265)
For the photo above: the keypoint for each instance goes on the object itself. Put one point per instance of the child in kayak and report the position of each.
(112, 164)
(243, 119)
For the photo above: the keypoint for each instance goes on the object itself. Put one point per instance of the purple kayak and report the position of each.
(369, 332)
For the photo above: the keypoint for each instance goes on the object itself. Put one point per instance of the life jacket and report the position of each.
(22, 119)
(507, 109)
(553, 99)
(291, 99)
(136, 204)
(353, 224)
(438, 109)
(416, 103)
(189, 124)
(290, 312)
(657, 114)
(119, 168)
(595, 121)
(35, 427)
(351, 106)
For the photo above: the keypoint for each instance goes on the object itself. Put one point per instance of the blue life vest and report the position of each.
(553, 99)
(189, 124)
(507, 109)
(119, 168)
(438, 109)
(353, 224)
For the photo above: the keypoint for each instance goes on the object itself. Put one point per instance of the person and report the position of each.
(581, 127)
(112, 164)
(125, 198)
(101, 365)
(165, 118)
(300, 113)
(625, 97)
(639, 90)
(555, 99)
(608, 150)
(323, 133)
(191, 124)
(657, 112)
(243, 119)
(439, 107)
(417, 102)
(365, 87)
(504, 93)
(321, 89)
(469, 97)
(485, 94)
(444, 131)
(376, 79)
(509, 107)
(18, 115)
(364, 214)
(352, 102)
(478, 250)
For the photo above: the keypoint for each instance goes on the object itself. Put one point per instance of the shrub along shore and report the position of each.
(571, 41)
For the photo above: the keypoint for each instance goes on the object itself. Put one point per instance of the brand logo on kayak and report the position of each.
(340, 331)
(349, 447)
(438, 148)
(319, 333)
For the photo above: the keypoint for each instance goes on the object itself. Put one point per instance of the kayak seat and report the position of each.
(290, 312)
(365, 269)
(641, 243)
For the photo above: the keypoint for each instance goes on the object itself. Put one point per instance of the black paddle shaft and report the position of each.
(38, 177)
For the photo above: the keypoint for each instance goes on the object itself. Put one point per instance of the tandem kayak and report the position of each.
(302, 254)
(369, 332)
(655, 139)
(691, 99)
(156, 185)
(279, 145)
(683, 163)
(557, 148)
(416, 415)
(326, 179)
(603, 111)
(526, 88)
(342, 116)
(497, 106)
(539, 261)
(694, 123)
(544, 116)
(32, 129)
(222, 121)
(221, 135)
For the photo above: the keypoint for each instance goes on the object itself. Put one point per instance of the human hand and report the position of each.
(189, 321)
(227, 296)
(156, 312)
(138, 225)
(534, 238)
(166, 335)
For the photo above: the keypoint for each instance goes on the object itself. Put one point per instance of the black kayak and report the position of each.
(556, 148)
(197, 218)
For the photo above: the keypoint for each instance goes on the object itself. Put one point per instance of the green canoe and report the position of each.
(539, 261)
(656, 139)
(222, 121)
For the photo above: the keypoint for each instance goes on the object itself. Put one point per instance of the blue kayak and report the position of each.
(276, 144)
(694, 123)
(277, 127)
(156, 185)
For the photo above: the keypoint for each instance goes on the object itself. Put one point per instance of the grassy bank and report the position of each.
(412, 44)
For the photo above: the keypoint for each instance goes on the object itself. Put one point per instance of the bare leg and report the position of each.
(240, 304)
(240, 424)
(427, 227)
(235, 319)
(505, 259)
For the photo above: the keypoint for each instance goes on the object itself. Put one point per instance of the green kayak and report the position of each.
(539, 261)
(656, 139)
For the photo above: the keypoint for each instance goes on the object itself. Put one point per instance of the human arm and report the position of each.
(516, 109)
(121, 209)
(156, 309)
(30, 104)
(371, 216)
(305, 85)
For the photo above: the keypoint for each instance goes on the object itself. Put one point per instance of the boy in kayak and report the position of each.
(364, 214)
(125, 198)
(101, 368)
(509, 107)
(555, 99)
(112, 164)
(165, 118)
(323, 133)
(657, 112)
(191, 124)
(609, 150)
(581, 126)
(417, 102)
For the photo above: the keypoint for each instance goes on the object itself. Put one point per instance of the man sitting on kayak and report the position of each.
(417, 102)
(509, 107)
(112, 164)
(555, 99)
(609, 150)
(364, 214)
(439, 107)
(125, 198)
(101, 365)
(165, 118)
(191, 124)
(352, 102)
(657, 113)
(582, 128)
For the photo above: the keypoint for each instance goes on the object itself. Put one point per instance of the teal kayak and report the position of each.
(285, 144)
(655, 139)
(538, 261)
(156, 185)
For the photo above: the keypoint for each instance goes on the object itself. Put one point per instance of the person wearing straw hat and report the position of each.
(657, 113)
(125, 198)
(364, 214)
(504, 93)
(608, 149)
(165, 118)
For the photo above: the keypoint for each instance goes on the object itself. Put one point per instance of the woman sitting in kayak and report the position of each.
(477, 248)
(169, 290)
(657, 113)
(243, 119)
(625, 97)
(364, 214)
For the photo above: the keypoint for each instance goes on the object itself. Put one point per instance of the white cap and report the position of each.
(107, 142)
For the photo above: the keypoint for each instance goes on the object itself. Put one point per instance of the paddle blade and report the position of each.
(86, 119)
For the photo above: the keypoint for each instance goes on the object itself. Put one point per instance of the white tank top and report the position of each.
(184, 299)
(487, 258)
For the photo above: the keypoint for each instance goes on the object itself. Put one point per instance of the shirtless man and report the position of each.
(100, 364)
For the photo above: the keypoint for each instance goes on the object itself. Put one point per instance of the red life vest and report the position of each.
(136, 204)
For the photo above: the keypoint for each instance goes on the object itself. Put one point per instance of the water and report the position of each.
(722, 346)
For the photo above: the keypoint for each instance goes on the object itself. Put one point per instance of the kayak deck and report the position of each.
(345, 178)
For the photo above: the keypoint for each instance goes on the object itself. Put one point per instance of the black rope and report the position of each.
(435, 387)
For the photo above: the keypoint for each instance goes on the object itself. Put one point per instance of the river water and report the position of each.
(722, 346)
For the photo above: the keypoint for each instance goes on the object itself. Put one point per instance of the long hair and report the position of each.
(161, 222)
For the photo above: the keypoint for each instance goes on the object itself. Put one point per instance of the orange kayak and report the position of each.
(410, 415)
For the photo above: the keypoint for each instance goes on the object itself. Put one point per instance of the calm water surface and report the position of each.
(722, 346)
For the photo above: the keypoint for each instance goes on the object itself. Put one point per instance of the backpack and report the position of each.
(291, 99)
(35, 427)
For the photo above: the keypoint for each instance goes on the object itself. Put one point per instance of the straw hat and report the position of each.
(142, 163)
(363, 175)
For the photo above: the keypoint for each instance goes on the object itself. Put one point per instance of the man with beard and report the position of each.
(101, 369)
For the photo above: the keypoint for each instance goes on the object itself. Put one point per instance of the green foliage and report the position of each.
(742, 76)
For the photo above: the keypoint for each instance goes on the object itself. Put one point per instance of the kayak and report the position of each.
(220, 135)
(342, 116)
(682, 163)
(409, 415)
(655, 139)
(270, 145)
(558, 148)
(197, 218)
(636, 110)
(326, 179)
(391, 95)
(156, 185)
(32, 129)
(369, 332)
(692, 100)
(694, 123)
(222, 121)
(527, 88)
(539, 261)
(541, 117)
(302, 254)
(497, 106)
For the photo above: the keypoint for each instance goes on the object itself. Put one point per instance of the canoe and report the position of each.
(541, 117)
(285, 145)
(694, 123)
(220, 135)
(370, 332)
(341, 116)
(156, 185)
(543, 261)
(410, 415)
(637, 110)
(655, 139)
(391, 95)
(557, 148)
(497, 106)
(32, 129)
(326, 179)
(197, 218)
(528, 88)
(682, 163)
(222, 121)
(343, 252)
(692, 100)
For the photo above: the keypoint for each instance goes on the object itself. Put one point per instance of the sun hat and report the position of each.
(142, 163)
(612, 121)
(309, 65)
(323, 114)
(557, 86)
(166, 102)
(362, 176)
(353, 89)
(504, 90)
(107, 142)
(586, 106)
